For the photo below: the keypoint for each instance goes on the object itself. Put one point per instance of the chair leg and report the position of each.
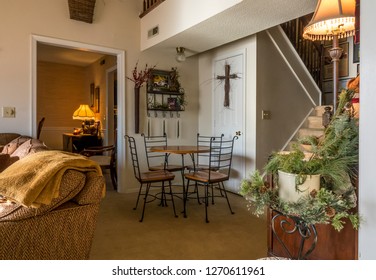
(145, 201)
(198, 196)
(172, 198)
(185, 198)
(138, 197)
(113, 178)
(206, 202)
(224, 191)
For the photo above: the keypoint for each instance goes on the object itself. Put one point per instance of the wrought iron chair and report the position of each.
(155, 160)
(202, 159)
(220, 160)
(105, 156)
(149, 178)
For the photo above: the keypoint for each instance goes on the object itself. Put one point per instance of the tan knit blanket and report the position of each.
(35, 179)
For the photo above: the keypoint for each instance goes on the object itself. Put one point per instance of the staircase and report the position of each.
(311, 127)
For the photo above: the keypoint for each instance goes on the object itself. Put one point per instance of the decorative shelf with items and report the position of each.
(164, 93)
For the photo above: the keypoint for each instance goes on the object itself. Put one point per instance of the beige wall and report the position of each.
(116, 25)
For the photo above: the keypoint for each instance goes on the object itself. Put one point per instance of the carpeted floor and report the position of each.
(161, 236)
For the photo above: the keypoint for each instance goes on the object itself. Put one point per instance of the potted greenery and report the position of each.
(333, 158)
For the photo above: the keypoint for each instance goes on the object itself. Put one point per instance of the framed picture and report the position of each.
(343, 67)
(97, 100)
(163, 81)
(159, 80)
(356, 54)
(92, 95)
(172, 103)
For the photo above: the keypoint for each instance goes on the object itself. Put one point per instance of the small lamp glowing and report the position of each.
(180, 55)
(85, 114)
(332, 19)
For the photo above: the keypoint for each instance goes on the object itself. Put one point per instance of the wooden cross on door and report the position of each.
(227, 77)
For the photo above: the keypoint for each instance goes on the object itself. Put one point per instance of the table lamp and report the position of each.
(85, 114)
(333, 19)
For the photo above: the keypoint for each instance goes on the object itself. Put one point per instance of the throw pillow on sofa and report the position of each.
(29, 147)
(14, 144)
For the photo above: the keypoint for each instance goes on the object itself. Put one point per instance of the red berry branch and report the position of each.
(140, 77)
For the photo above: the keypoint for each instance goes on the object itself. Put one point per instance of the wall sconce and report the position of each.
(180, 55)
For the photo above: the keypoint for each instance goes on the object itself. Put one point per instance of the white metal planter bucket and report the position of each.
(289, 191)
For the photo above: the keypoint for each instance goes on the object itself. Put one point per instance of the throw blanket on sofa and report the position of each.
(35, 179)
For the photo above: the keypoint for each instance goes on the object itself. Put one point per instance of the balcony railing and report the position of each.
(149, 5)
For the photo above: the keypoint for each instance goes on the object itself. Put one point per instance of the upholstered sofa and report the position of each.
(49, 202)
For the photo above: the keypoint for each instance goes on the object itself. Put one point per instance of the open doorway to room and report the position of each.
(66, 74)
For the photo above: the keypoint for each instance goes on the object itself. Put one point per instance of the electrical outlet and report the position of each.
(9, 112)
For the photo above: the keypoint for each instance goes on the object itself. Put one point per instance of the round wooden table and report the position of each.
(182, 150)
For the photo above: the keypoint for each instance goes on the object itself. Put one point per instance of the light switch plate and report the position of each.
(266, 115)
(9, 112)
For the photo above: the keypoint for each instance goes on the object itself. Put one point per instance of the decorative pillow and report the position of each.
(14, 144)
(29, 147)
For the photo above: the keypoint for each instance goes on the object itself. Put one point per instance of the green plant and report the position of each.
(334, 157)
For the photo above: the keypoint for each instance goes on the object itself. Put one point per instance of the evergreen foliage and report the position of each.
(334, 157)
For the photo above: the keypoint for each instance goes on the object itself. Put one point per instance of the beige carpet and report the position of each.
(161, 236)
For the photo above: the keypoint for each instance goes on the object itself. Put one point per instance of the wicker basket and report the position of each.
(82, 10)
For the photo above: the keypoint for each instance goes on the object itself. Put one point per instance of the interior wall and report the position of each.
(96, 74)
(108, 29)
(282, 95)
(60, 89)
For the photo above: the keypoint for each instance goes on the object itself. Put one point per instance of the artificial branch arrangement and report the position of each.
(334, 157)
(140, 77)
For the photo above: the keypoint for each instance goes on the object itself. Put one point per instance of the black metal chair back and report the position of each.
(134, 157)
(202, 160)
(155, 159)
(220, 156)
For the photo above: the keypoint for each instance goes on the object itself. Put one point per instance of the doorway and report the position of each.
(228, 110)
(120, 87)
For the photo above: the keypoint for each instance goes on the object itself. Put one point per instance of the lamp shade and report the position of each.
(331, 17)
(83, 113)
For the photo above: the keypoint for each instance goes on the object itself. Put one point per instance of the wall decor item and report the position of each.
(92, 87)
(97, 100)
(356, 53)
(159, 81)
(139, 78)
(343, 66)
(226, 77)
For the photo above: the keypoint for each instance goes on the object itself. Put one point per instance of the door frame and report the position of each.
(120, 54)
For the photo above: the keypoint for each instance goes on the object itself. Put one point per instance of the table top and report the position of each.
(180, 149)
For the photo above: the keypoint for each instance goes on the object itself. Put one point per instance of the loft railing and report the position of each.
(309, 51)
(149, 5)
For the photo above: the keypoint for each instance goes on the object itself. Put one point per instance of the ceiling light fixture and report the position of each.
(180, 55)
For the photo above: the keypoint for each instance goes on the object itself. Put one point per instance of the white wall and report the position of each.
(367, 153)
(184, 14)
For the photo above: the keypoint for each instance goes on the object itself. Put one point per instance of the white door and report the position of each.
(229, 111)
